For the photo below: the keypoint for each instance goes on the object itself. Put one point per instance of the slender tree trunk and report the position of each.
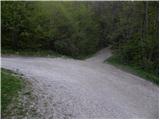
(146, 20)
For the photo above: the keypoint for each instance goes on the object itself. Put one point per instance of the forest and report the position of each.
(79, 29)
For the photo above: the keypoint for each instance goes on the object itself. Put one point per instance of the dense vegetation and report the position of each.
(81, 28)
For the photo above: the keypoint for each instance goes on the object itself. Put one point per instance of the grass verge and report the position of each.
(17, 98)
(37, 53)
(10, 86)
(133, 69)
(41, 53)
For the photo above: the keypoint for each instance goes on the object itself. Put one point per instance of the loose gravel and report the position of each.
(68, 88)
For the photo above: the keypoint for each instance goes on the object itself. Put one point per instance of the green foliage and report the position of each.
(79, 29)
(134, 33)
(58, 26)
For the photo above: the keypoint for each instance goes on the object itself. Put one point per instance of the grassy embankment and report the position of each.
(133, 69)
(17, 99)
(11, 84)
(41, 53)
(34, 53)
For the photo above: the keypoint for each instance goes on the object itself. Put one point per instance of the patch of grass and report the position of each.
(42, 53)
(35, 53)
(17, 98)
(10, 86)
(133, 69)
(83, 57)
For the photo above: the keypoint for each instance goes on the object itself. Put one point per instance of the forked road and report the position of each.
(69, 88)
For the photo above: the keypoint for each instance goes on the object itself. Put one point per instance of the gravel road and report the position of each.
(68, 88)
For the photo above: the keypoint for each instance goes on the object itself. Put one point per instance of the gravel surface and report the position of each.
(68, 88)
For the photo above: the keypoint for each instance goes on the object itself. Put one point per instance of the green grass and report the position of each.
(37, 53)
(11, 84)
(42, 53)
(83, 57)
(133, 69)
(16, 96)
